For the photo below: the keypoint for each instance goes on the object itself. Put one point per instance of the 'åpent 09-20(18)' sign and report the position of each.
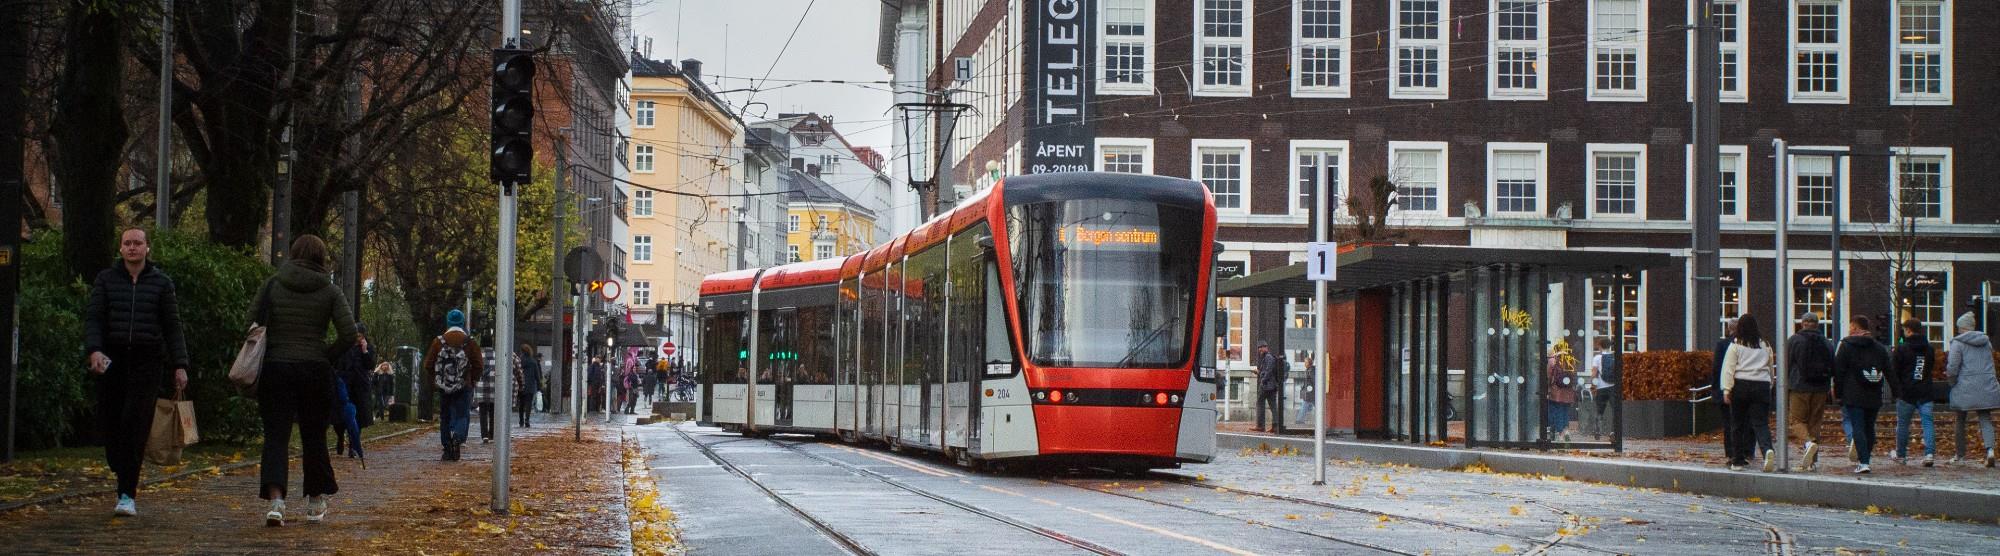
(1059, 136)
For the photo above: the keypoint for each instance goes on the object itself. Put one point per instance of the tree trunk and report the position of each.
(90, 132)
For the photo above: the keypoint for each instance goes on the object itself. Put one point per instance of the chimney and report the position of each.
(812, 170)
(691, 68)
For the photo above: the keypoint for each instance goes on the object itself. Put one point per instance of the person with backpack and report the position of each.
(1859, 367)
(1911, 385)
(455, 363)
(132, 337)
(1746, 387)
(1809, 375)
(1270, 387)
(1605, 377)
(1974, 388)
(297, 306)
(1561, 393)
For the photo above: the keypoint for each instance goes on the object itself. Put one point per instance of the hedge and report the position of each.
(56, 394)
(1667, 375)
(1664, 375)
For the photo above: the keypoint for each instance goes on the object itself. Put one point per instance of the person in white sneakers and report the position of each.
(1860, 368)
(1746, 387)
(1974, 388)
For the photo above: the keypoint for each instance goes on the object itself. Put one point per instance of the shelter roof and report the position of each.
(1376, 266)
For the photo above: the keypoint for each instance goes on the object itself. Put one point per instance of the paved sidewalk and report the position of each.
(1897, 489)
(570, 498)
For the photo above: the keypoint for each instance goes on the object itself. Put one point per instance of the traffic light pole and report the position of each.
(503, 312)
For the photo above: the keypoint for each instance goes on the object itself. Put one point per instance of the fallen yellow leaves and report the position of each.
(1516, 510)
(490, 529)
(653, 531)
(1504, 549)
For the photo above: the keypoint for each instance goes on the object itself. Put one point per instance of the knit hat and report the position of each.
(454, 319)
(1967, 322)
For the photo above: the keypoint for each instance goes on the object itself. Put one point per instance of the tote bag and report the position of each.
(250, 358)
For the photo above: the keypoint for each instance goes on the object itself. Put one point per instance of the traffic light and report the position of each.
(513, 116)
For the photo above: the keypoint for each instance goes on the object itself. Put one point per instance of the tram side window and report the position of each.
(722, 335)
(815, 345)
(871, 329)
(924, 278)
(893, 311)
(843, 337)
(965, 323)
(775, 346)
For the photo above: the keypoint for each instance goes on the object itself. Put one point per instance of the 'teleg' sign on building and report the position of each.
(1059, 135)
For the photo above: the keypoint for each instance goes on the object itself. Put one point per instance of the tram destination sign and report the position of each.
(1059, 136)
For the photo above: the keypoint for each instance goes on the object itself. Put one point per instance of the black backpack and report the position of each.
(1816, 362)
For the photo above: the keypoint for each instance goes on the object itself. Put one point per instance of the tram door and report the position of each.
(925, 282)
(871, 339)
(892, 360)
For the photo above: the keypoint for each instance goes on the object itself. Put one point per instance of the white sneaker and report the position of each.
(1861, 469)
(275, 517)
(126, 507)
(1930, 460)
(1770, 461)
(315, 508)
(1811, 459)
(1989, 457)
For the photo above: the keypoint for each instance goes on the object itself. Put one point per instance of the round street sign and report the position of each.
(610, 291)
(667, 348)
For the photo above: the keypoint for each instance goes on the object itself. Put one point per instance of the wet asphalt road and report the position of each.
(794, 495)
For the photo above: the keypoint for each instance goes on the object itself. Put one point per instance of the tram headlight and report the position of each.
(1176, 398)
(1039, 396)
(1160, 398)
(1055, 396)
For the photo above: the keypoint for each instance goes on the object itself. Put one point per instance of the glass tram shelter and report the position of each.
(1454, 344)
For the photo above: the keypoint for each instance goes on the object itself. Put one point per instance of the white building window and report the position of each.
(791, 253)
(1922, 178)
(1126, 41)
(1733, 301)
(1517, 178)
(822, 251)
(642, 249)
(642, 292)
(1631, 320)
(642, 159)
(1224, 166)
(1818, 72)
(1222, 47)
(1618, 50)
(1128, 156)
(1922, 34)
(1320, 46)
(1813, 184)
(1732, 24)
(1314, 163)
(1926, 297)
(1418, 170)
(792, 223)
(1616, 180)
(1519, 46)
(1421, 49)
(643, 114)
(1731, 161)
(642, 202)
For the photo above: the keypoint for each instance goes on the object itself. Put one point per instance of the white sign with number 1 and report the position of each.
(1320, 260)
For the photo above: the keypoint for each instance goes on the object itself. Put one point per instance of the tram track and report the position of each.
(1045, 532)
(1322, 536)
(1542, 544)
(1777, 541)
(852, 546)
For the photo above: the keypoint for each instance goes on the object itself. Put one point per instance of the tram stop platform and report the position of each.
(1962, 490)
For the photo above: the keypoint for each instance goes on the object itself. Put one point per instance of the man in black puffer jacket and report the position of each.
(1911, 386)
(132, 335)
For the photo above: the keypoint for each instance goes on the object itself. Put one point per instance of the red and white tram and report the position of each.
(1054, 317)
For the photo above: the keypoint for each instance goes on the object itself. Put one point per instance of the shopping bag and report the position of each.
(163, 445)
(249, 359)
(189, 434)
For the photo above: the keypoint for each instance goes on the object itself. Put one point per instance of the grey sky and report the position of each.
(836, 42)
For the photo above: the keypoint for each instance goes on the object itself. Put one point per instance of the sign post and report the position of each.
(1322, 259)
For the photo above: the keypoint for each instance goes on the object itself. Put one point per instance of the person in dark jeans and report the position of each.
(353, 372)
(455, 363)
(132, 335)
(1746, 386)
(298, 305)
(1715, 380)
(1859, 369)
(1270, 388)
(529, 383)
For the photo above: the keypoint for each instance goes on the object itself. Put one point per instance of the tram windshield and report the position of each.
(1106, 283)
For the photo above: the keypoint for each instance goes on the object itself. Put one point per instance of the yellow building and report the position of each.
(683, 139)
(822, 223)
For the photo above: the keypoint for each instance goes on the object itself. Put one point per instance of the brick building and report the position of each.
(1560, 124)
